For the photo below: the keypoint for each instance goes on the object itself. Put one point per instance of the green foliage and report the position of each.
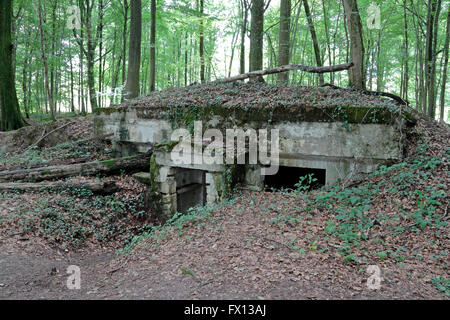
(35, 156)
(442, 285)
(305, 183)
(355, 217)
(76, 215)
(178, 61)
(156, 234)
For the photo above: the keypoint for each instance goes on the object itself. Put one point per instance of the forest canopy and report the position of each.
(67, 57)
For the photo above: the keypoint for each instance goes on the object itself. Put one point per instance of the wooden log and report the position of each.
(288, 67)
(139, 162)
(107, 187)
(371, 93)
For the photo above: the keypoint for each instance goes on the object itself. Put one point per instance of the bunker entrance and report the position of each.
(191, 189)
(287, 177)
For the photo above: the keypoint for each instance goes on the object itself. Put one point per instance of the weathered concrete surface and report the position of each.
(345, 149)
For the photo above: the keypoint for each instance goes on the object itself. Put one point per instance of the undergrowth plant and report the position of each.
(177, 222)
(354, 214)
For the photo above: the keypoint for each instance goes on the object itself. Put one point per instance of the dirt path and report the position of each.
(230, 255)
(37, 277)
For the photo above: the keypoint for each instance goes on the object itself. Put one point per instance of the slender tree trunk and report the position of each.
(44, 60)
(327, 35)
(124, 42)
(244, 7)
(24, 81)
(314, 38)
(186, 59)
(202, 43)
(134, 54)
(52, 65)
(444, 71)
(429, 88)
(406, 74)
(356, 74)
(10, 116)
(91, 44)
(432, 80)
(284, 39)
(152, 45)
(256, 36)
(100, 51)
(72, 102)
(81, 95)
(233, 47)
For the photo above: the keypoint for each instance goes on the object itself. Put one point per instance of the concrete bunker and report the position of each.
(336, 138)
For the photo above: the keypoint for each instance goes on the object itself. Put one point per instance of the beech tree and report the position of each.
(314, 38)
(197, 41)
(10, 116)
(284, 39)
(256, 35)
(134, 56)
(356, 73)
(445, 67)
(152, 44)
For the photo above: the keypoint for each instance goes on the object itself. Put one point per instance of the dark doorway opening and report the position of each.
(191, 189)
(287, 177)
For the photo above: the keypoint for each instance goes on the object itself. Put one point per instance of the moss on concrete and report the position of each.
(153, 196)
(228, 179)
(107, 111)
(185, 116)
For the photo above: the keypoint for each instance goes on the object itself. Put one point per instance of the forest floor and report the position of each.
(257, 245)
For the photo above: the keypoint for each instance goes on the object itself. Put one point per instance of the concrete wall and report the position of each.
(345, 150)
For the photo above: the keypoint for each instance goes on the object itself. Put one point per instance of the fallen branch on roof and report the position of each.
(285, 68)
(371, 93)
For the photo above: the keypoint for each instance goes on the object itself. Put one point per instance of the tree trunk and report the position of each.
(25, 88)
(432, 59)
(355, 74)
(91, 44)
(152, 45)
(256, 36)
(134, 53)
(52, 54)
(126, 6)
(244, 7)
(100, 51)
(44, 60)
(284, 39)
(11, 119)
(444, 71)
(186, 59)
(327, 36)
(432, 7)
(406, 73)
(140, 162)
(233, 46)
(314, 38)
(202, 43)
(72, 102)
